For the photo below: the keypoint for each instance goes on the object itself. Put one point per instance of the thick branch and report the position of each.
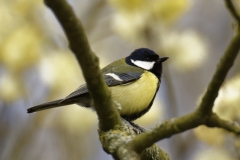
(116, 142)
(107, 113)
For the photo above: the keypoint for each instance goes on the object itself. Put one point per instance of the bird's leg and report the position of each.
(137, 129)
(141, 129)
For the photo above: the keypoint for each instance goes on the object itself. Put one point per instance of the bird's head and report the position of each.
(146, 59)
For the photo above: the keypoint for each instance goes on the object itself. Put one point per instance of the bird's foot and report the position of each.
(137, 129)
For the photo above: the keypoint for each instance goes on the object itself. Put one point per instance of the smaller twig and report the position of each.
(232, 10)
(215, 121)
(166, 130)
(178, 125)
(226, 62)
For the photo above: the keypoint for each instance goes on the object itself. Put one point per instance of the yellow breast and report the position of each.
(135, 97)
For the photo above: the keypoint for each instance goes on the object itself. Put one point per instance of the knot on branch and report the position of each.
(117, 142)
(119, 136)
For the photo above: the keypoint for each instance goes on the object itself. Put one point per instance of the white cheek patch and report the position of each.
(143, 64)
(114, 76)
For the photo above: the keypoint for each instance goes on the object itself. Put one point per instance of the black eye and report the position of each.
(147, 59)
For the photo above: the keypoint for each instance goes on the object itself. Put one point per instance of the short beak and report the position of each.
(162, 59)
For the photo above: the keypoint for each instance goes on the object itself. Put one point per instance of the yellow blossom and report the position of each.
(20, 49)
(213, 136)
(227, 102)
(61, 72)
(11, 88)
(188, 49)
(213, 153)
(169, 10)
(129, 5)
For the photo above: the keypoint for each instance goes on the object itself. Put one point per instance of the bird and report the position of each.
(133, 82)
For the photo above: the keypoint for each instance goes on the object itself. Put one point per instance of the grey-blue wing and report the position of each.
(122, 79)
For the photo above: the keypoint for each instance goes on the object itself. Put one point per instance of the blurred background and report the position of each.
(36, 66)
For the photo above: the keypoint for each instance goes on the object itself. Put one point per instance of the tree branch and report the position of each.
(166, 130)
(215, 121)
(178, 125)
(107, 113)
(226, 62)
(232, 10)
(116, 142)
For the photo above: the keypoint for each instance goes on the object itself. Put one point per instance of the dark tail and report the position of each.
(49, 105)
(83, 99)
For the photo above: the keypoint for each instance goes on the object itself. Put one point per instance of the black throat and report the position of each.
(157, 70)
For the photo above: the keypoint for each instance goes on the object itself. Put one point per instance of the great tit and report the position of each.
(133, 82)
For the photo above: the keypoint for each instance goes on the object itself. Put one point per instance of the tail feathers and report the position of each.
(48, 105)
